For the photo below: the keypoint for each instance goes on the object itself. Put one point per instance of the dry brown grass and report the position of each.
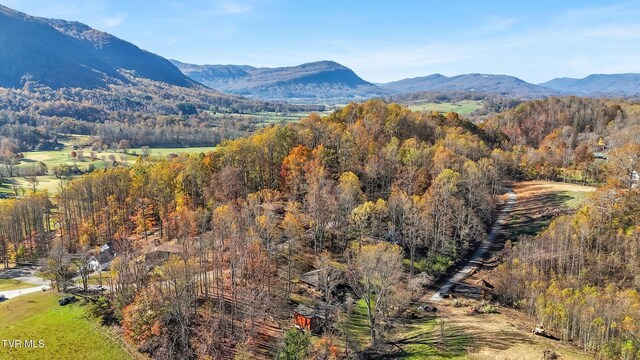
(527, 189)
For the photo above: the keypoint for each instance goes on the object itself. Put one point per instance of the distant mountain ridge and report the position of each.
(480, 83)
(603, 84)
(68, 54)
(320, 80)
(59, 53)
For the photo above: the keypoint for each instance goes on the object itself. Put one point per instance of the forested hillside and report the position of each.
(598, 84)
(472, 83)
(317, 82)
(567, 138)
(213, 249)
(246, 219)
(580, 276)
(145, 113)
(64, 54)
(62, 77)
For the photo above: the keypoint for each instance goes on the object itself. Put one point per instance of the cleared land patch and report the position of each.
(539, 202)
(463, 107)
(452, 333)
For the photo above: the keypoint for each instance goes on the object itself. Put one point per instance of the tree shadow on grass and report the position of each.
(426, 339)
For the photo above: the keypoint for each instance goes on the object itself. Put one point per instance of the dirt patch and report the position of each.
(524, 189)
(506, 335)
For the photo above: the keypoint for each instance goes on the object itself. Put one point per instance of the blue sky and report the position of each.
(380, 40)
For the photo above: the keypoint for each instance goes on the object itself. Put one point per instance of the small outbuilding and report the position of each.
(161, 253)
(311, 278)
(308, 319)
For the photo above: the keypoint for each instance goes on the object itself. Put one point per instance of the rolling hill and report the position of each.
(598, 84)
(480, 83)
(316, 81)
(59, 53)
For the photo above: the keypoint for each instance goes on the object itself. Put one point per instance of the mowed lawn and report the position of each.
(10, 284)
(358, 326)
(66, 331)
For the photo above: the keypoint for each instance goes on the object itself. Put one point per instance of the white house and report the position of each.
(103, 260)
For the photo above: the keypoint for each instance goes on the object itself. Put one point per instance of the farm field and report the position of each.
(66, 331)
(19, 185)
(265, 118)
(463, 107)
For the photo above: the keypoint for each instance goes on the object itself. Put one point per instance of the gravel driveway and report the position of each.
(25, 274)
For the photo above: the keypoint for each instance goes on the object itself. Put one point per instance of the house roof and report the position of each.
(308, 312)
(106, 246)
(169, 248)
(311, 278)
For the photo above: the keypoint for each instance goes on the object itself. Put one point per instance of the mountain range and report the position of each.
(598, 84)
(320, 80)
(66, 54)
(59, 53)
(480, 83)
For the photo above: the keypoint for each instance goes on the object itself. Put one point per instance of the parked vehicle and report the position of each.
(67, 300)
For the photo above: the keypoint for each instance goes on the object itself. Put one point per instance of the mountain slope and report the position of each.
(318, 81)
(482, 83)
(60, 53)
(608, 84)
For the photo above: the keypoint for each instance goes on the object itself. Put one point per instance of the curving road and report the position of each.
(9, 294)
(477, 258)
(25, 274)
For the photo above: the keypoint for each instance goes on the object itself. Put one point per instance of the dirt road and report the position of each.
(478, 256)
(25, 274)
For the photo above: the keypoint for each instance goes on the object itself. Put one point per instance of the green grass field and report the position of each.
(10, 284)
(463, 107)
(573, 199)
(101, 160)
(66, 331)
(423, 338)
(358, 325)
(264, 118)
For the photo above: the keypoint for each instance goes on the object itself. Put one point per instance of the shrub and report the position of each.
(296, 345)
(488, 309)
(102, 309)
